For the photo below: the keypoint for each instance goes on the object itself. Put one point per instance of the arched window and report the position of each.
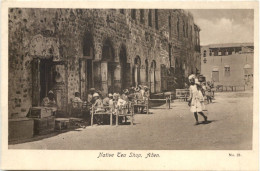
(136, 71)
(153, 77)
(124, 73)
(146, 71)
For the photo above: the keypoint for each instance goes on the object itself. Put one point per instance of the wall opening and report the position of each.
(142, 16)
(108, 68)
(156, 19)
(146, 72)
(150, 18)
(136, 71)
(133, 14)
(124, 68)
(153, 77)
(86, 65)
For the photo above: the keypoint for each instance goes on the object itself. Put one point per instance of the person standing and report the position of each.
(195, 101)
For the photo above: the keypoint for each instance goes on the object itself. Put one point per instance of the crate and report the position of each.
(20, 128)
(40, 112)
(44, 125)
(62, 123)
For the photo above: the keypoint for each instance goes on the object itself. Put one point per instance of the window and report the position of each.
(227, 71)
(183, 29)
(170, 55)
(122, 11)
(205, 60)
(187, 30)
(215, 53)
(170, 25)
(191, 33)
(204, 53)
(150, 18)
(210, 53)
(133, 14)
(215, 76)
(142, 16)
(178, 24)
(226, 53)
(156, 19)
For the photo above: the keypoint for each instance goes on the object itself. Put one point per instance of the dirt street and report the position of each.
(230, 128)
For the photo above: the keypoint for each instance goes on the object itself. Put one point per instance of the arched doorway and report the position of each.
(136, 71)
(124, 68)
(86, 65)
(153, 77)
(147, 72)
(108, 67)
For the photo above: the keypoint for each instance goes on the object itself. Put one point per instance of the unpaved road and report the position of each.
(230, 128)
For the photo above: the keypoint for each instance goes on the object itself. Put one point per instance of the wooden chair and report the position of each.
(103, 111)
(126, 111)
(141, 103)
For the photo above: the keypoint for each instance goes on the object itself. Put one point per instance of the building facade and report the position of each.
(228, 64)
(70, 50)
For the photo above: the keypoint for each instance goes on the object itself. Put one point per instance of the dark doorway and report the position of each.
(146, 72)
(153, 77)
(87, 78)
(123, 64)
(46, 77)
(136, 71)
(108, 67)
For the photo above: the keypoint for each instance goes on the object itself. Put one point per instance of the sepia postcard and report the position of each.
(131, 85)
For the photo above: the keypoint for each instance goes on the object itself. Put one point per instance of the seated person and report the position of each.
(111, 101)
(125, 95)
(106, 101)
(146, 94)
(98, 102)
(121, 102)
(49, 101)
(77, 102)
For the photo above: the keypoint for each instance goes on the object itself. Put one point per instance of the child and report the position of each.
(196, 102)
(208, 93)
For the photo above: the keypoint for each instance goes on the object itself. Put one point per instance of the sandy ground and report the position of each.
(230, 128)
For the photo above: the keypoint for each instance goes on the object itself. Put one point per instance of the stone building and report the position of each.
(228, 64)
(69, 50)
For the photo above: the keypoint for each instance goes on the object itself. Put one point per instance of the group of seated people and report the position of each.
(110, 102)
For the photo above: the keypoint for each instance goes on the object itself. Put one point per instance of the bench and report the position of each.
(167, 99)
(62, 123)
(182, 94)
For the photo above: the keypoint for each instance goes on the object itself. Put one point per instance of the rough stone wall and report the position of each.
(58, 34)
